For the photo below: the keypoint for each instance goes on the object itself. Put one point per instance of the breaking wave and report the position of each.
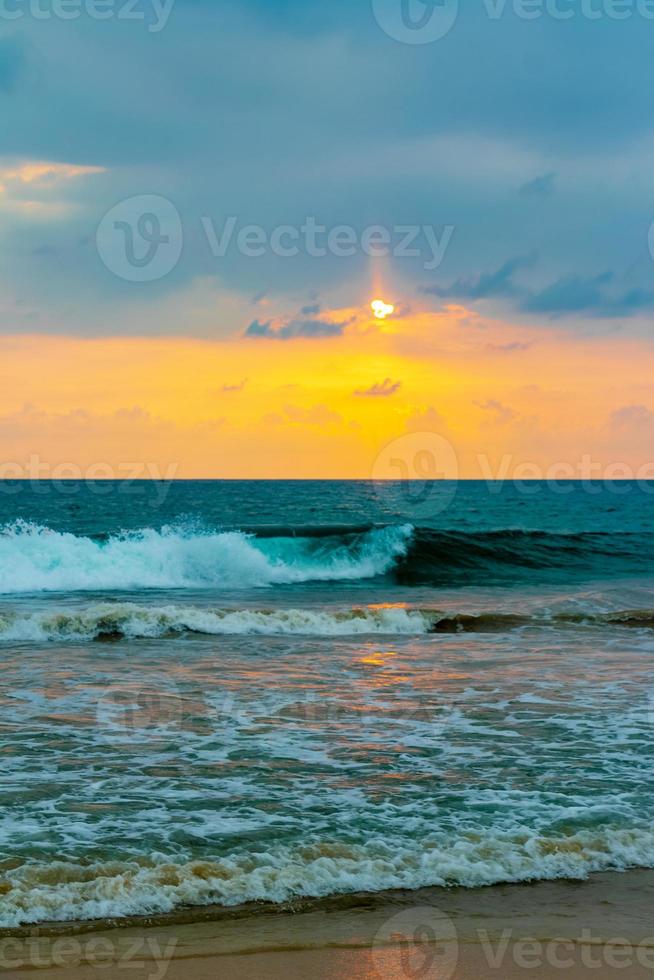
(38, 559)
(118, 620)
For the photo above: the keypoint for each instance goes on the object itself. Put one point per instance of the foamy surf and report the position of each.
(60, 892)
(127, 620)
(39, 559)
(132, 621)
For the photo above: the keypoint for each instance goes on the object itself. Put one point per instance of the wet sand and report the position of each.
(603, 927)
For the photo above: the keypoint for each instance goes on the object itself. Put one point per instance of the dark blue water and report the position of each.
(462, 533)
(572, 506)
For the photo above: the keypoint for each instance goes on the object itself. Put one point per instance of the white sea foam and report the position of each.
(61, 892)
(38, 559)
(135, 621)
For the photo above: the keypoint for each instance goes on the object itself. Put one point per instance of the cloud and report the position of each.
(542, 186)
(381, 389)
(43, 172)
(33, 186)
(632, 417)
(78, 426)
(498, 133)
(631, 430)
(235, 387)
(487, 284)
(428, 421)
(317, 415)
(296, 329)
(311, 310)
(592, 296)
(509, 348)
(501, 414)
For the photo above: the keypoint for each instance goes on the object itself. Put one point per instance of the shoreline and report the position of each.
(457, 896)
(488, 931)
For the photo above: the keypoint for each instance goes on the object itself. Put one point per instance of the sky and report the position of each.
(199, 201)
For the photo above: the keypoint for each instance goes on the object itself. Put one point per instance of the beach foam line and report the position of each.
(118, 620)
(60, 892)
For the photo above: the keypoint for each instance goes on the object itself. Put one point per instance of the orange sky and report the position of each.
(327, 407)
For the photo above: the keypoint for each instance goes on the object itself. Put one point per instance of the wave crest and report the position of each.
(38, 559)
(118, 620)
(107, 621)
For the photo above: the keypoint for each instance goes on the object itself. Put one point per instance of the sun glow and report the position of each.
(381, 309)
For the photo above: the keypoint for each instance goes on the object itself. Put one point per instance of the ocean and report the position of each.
(219, 692)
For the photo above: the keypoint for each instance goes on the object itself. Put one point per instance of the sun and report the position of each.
(381, 309)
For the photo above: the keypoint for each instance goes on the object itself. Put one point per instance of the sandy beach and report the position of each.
(602, 928)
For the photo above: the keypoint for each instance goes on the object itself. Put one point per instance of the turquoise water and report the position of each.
(216, 692)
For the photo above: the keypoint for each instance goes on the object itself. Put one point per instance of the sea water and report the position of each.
(220, 692)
